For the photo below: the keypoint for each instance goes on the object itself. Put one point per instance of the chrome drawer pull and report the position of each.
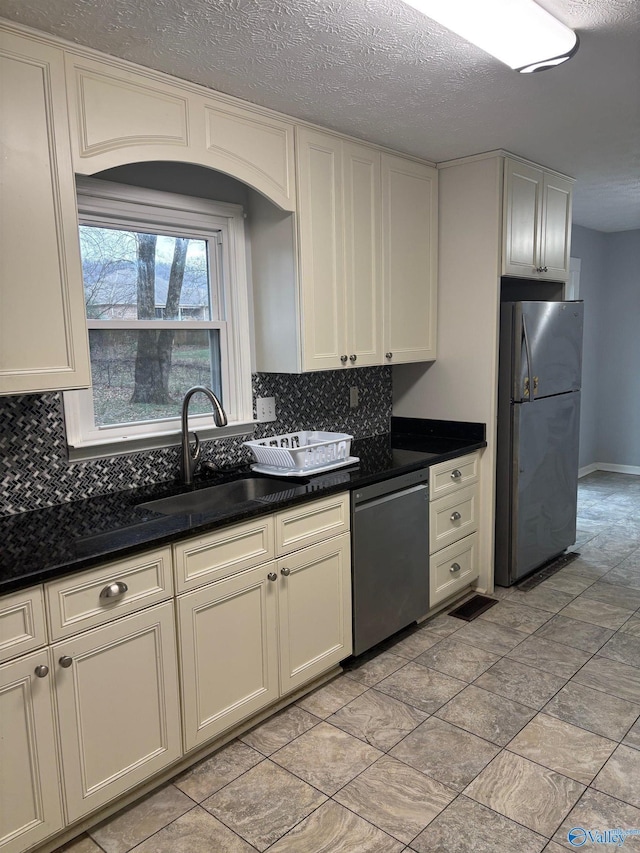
(455, 516)
(286, 572)
(455, 567)
(456, 474)
(42, 670)
(65, 661)
(113, 590)
(272, 576)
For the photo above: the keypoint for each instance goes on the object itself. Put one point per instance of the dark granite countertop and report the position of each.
(43, 544)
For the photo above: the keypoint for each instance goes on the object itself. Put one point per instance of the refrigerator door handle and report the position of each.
(528, 383)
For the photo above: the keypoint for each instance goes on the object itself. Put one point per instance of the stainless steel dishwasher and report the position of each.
(390, 538)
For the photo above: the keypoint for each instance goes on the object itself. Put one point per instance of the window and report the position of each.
(166, 303)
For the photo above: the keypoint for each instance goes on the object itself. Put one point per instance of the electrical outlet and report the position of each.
(266, 409)
(354, 401)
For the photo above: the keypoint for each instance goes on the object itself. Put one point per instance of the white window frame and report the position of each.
(106, 204)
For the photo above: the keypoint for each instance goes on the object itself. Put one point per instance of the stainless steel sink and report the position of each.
(217, 497)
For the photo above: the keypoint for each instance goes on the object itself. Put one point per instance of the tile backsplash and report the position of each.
(35, 472)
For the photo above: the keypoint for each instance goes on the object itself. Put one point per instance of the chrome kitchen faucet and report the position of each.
(191, 455)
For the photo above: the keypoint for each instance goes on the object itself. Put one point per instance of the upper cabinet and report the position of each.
(121, 116)
(537, 222)
(43, 338)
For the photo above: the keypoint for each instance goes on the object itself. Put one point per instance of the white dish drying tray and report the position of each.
(295, 472)
(304, 452)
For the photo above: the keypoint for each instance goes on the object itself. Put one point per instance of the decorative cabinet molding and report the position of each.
(43, 337)
(22, 623)
(537, 222)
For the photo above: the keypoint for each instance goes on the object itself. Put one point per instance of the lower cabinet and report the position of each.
(30, 805)
(250, 638)
(118, 708)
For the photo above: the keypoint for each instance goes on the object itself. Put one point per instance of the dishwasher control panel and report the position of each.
(393, 484)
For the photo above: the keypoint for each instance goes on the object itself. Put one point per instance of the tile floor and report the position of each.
(495, 735)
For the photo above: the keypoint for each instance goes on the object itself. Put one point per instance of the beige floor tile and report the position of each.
(414, 644)
(279, 729)
(326, 757)
(620, 776)
(632, 627)
(196, 831)
(623, 648)
(334, 829)
(578, 635)
(550, 657)
(459, 660)
(370, 672)
(328, 699)
(593, 710)
(421, 687)
(264, 804)
(442, 625)
(519, 616)
(445, 752)
(83, 844)
(486, 714)
(396, 798)
(378, 719)
(522, 683)
(532, 795)
(612, 677)
(136, 823)
(596, 613)
(597, 811)
(632, 737)
(467, 826)
(489, 636)
(569, 750)
(208, 776)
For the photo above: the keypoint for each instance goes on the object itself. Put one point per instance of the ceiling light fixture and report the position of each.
(517, 32)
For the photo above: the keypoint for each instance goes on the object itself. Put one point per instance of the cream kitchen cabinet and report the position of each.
(43, 337)
(453, 525)
(410, 271)
(537, 222)
(340, 258)
(249, 637)
(132, 114)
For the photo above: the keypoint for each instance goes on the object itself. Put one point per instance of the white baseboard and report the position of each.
(608, 466)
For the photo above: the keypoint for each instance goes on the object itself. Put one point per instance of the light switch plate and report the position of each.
(265, 409)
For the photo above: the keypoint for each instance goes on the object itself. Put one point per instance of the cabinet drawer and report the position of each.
(448, 477)
(22, 624)
(223, 553)
(452, 517)
(99, 595)
(453, 568)
(307, 524)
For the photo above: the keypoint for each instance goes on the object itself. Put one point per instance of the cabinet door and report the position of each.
(40, 274)
(556, 227)
(30, 807)
(522, 219)
(314, 600)
(320, 212)
(118, 707)
(409, 218)
(363, 255)
(228, 652)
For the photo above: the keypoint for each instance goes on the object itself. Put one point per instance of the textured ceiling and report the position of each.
(378, 70)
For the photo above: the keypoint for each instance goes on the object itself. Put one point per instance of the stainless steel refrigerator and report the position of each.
(538, 429)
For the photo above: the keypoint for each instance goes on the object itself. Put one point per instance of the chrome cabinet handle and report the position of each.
(352, 358)
(113, 590)
(455, 516)
(286, 572)
(272, 576)
(455, 567)
(456, 474)
(388, 355)
(41, 671)
(65, 661)
(343, 359)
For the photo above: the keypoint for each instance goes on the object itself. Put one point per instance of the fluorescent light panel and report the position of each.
(517, 32)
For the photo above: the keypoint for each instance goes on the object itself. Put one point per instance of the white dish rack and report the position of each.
(302, 452)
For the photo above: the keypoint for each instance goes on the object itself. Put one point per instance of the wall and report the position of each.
(35, 472)
(610, 287)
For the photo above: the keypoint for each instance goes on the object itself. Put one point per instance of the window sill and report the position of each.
(139, 444)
